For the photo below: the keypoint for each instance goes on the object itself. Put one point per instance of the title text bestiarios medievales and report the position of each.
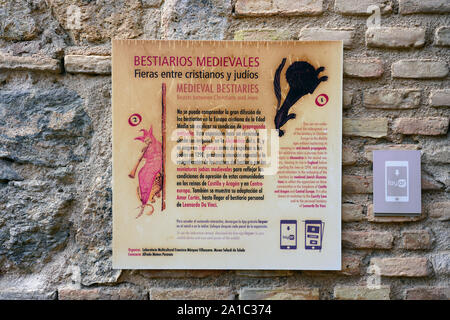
(188, 61)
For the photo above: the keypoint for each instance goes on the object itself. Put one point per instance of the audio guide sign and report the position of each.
(227, 154)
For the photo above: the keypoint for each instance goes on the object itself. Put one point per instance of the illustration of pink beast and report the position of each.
(150, 177)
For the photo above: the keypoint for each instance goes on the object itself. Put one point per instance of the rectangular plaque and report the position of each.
(396, 182)
(227, 154)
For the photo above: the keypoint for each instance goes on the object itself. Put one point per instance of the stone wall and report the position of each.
(55, 144)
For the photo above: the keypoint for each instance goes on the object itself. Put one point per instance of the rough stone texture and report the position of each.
(428, 293)
(196, 20)
(392, 98)
(368, 68)
(7, 173)
(416, 240)
(36, 121)
(357, 184)
(439, 98)
(262, 34)
(101, 294)
(439, 155)
(441, 263)
(151, 24)
(352, 212)
(429, 183)
(87, 64)
(374, 128)
(394, 37)
(402, 267)
(359, 7)
(431, 126)
(347, 98)
(367, 240)
(151, 3)
(217, 293)
(419, 69)
(349, 156)
(89, 22)
(346, 35)
(439, 210)
(351, 264)
(282, 7)
(418, 6)
(33, 63)
(442, 36)
(361, 293)
(21, 294)
(279, 294)
(15, 29)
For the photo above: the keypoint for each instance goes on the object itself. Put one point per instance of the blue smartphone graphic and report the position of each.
(313, 234)
(288, 234)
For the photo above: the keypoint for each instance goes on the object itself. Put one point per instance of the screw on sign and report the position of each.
(134, 119)
(321, 100)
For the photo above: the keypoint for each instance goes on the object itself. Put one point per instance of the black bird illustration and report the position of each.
(303, 79)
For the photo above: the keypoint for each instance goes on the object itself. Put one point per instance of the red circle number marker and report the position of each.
(134, 119)
(321, 100)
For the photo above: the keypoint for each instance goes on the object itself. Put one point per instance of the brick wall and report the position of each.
(55, 179)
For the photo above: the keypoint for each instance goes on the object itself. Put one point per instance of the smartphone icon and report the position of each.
(288, 234)
(314, 234)
(396, 178)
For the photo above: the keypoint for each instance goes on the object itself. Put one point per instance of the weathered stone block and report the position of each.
(392, 98)
(317, 34)
(357, 184)
(279, 294)
(347, 98)
(349, 157)
(419, 6)
(361, 293)
(151, 3)
(359, 7)
(101, 294)
(439, 98)
(419, 69)
(29, 63)
(373, 128)
(442, 36)
(363, 68)
(441, 262)
(416, 240)
(431, 126)
(87, 64)
(428, 293)
(351, 264)
(262, 34)
(282, 7)
(216, 293)
(195, 20)
(27, 294)
(395, 37)
(367, 239)
(439, 210)
(402, 267)
(352, 212)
